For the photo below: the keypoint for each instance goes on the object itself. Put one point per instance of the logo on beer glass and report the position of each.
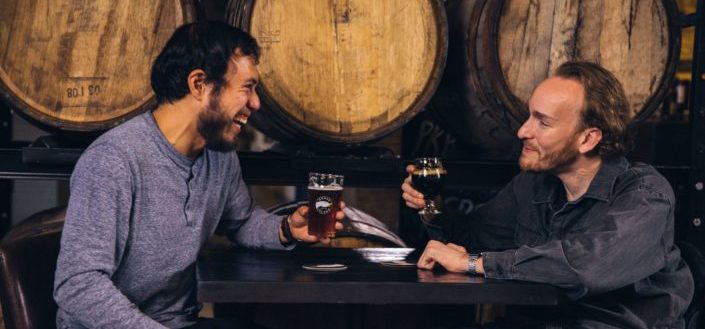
(324, 205)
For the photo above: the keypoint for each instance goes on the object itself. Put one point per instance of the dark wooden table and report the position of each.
(247, 276)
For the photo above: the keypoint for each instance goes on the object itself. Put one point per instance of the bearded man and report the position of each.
(579, 216)
(148, 194)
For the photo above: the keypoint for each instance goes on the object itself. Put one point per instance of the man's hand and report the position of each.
(452, 257)
(412, 197)
(298, 223)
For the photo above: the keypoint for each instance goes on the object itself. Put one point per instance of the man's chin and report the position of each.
(528, 168)
(525, 164)
(221, 145)
(528, 165)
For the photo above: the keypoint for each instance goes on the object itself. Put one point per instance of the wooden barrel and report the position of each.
(343, 72)
(499, 50)
(83, 65)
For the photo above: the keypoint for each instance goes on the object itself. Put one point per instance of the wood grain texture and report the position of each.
(466, 108)
(629, 38)
(347, 70)
(500, 50)
(83, 65)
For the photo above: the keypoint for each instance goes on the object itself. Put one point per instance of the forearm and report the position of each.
(539, 267)
(260, 230)
(582, 272)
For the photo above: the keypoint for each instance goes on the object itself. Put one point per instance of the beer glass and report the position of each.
(428, 178)
(324, 191)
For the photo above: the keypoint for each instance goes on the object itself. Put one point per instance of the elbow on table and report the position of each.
(586, 286)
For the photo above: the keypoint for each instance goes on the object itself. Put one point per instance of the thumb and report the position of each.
(299, 216)
(410, 169)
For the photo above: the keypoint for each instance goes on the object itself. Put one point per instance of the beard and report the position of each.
(555, 162)
(212, 125)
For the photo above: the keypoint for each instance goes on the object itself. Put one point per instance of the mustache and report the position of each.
(530, 146)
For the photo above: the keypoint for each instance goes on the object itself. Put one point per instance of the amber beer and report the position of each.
(324, 192)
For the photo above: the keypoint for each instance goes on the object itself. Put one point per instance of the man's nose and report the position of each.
(253, 103)
(523, 132)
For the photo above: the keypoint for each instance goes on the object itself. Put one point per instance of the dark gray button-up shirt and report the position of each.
(611, 250)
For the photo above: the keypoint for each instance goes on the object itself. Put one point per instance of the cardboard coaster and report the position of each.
(325, 267)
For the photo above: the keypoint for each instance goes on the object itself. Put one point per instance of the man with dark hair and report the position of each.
(579, 216)
(147, 195)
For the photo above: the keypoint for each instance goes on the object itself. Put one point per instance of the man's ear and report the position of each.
(197, 84)
(589, 139)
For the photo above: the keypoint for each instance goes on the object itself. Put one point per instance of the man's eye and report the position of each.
(543, 123)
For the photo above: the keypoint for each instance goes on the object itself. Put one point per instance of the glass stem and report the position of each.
(429, 206)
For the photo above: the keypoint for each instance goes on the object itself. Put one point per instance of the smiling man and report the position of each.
(148, 194)
(579, 216)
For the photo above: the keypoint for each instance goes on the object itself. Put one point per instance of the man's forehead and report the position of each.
(556, 93)
(560, 87)
(237, 59)
(244, 65)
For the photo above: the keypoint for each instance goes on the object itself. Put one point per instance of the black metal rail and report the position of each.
(6, 186)
(697, 128)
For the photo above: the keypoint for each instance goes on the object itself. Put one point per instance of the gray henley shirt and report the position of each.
(138, 214)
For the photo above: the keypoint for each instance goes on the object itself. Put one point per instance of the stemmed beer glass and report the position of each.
(428, 178)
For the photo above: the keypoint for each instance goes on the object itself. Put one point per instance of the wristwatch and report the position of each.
(472, 263)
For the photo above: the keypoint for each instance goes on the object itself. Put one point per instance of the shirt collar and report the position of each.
(602, 185)
(164, 146)
(600, 188)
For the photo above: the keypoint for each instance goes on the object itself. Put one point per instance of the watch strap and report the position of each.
(286, 231)
(472, 263)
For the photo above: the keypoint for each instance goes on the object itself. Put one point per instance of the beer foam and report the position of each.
(326, 188)
(430, 171)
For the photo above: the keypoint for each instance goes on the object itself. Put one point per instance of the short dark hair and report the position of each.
(206, 45)
(606, 106)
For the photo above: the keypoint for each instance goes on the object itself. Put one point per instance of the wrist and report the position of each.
(480, 267)
(286, 237)
(472, 263)
(475, 264)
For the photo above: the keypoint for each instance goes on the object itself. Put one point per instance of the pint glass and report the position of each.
(324, 191)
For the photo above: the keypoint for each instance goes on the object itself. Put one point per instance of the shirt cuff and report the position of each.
(498, 265)
(272, 234)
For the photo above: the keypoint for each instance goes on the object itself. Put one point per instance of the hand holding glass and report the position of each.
(428, 178)
(324, 192)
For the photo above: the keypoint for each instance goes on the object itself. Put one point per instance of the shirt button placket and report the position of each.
(190, 185)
